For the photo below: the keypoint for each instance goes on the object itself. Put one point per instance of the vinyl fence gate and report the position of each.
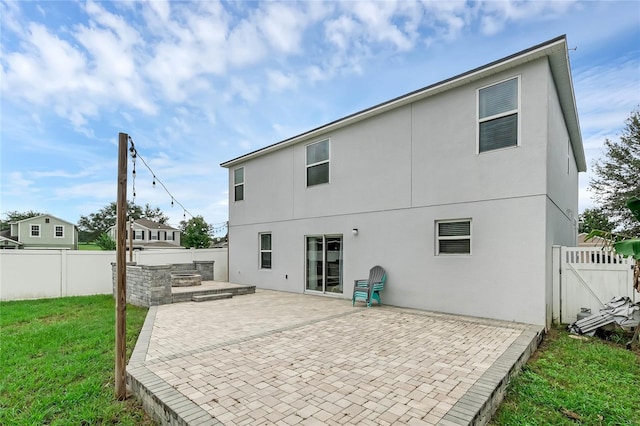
(588, 277)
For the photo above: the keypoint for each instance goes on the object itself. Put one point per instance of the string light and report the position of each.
(135, 154)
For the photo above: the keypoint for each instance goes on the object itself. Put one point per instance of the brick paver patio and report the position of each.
(274, 358)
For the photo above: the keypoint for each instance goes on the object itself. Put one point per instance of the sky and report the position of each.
(195, 84)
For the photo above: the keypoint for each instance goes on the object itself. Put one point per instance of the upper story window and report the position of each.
(58, 231)
(154, 235)
(498, 107)
(453, 237)
(238, 184)
(35, 230)
(265, 251)
(168, 236)
(318, 163)
(138, 234)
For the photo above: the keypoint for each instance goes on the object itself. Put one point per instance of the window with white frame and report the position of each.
(453, 237)
(168, 236)
(35, 231)
(318, 163)
(498, 107)
(138, 234)
(238, 184)
(265, 251)
(58, 231)
(153, 235)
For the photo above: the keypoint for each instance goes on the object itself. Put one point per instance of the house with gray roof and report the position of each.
(459, 190)
(40, 232)
(148, 234)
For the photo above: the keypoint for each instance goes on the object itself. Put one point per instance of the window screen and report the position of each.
(498, 116)
(318, 163)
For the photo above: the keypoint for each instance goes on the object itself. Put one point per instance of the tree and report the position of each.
(154, 214)
(15, 216)
(96, 223)
(595, 218)
(617, 176)
(105, 242)
(196, 233)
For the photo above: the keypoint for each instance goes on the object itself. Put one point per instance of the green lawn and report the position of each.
(57, 362)
(573, 381)
(88, 246)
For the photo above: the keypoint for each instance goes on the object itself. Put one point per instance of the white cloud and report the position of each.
(245, 46)
(497, 14)
(283, 26)
(162, 8)
(277, 80)
(18, 184)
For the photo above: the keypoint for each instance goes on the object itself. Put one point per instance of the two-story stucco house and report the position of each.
(41, 232)
(148, 234)
(459, 190)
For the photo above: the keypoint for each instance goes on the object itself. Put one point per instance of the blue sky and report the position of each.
(198, 83)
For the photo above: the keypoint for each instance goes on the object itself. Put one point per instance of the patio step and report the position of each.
(215, 296)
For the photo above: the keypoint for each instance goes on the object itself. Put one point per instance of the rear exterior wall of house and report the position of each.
(394, 177)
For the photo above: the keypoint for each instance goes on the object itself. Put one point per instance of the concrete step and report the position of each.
(215, 296)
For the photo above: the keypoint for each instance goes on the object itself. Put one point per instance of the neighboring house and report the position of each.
(459, 190)
(593, 242)
(150, 235)
(41, 232)
(7, 243)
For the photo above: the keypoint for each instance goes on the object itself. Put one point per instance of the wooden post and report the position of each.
(121, 268)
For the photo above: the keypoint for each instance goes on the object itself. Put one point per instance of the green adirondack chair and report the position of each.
(369, 289)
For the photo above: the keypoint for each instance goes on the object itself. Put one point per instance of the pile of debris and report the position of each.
(618, 312)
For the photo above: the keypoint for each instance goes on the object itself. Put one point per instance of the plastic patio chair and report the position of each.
(369, 289)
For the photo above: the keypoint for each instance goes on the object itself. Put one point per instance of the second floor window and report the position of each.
(238, 184)
(35, 230)
(498, 107)
(138, 234)
(59, 231)
(318, 163)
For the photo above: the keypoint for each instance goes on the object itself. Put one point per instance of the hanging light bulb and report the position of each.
(172, 202)
(154, 181)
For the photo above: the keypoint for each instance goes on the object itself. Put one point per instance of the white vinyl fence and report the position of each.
(35, 274)
(588, 277)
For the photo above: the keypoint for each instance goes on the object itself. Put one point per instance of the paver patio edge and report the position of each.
(139, 353)
(165, 404)
(482, 399)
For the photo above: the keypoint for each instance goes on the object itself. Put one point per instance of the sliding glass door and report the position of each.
(324, 263)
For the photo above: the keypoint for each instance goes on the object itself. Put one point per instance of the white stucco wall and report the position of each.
(500, 279)
(394, 175)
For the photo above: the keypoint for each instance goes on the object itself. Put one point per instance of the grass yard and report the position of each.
(57, 362)
(88, 246)
(572, 381)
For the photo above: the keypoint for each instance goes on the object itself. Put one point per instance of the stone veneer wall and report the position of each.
(150, 285)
